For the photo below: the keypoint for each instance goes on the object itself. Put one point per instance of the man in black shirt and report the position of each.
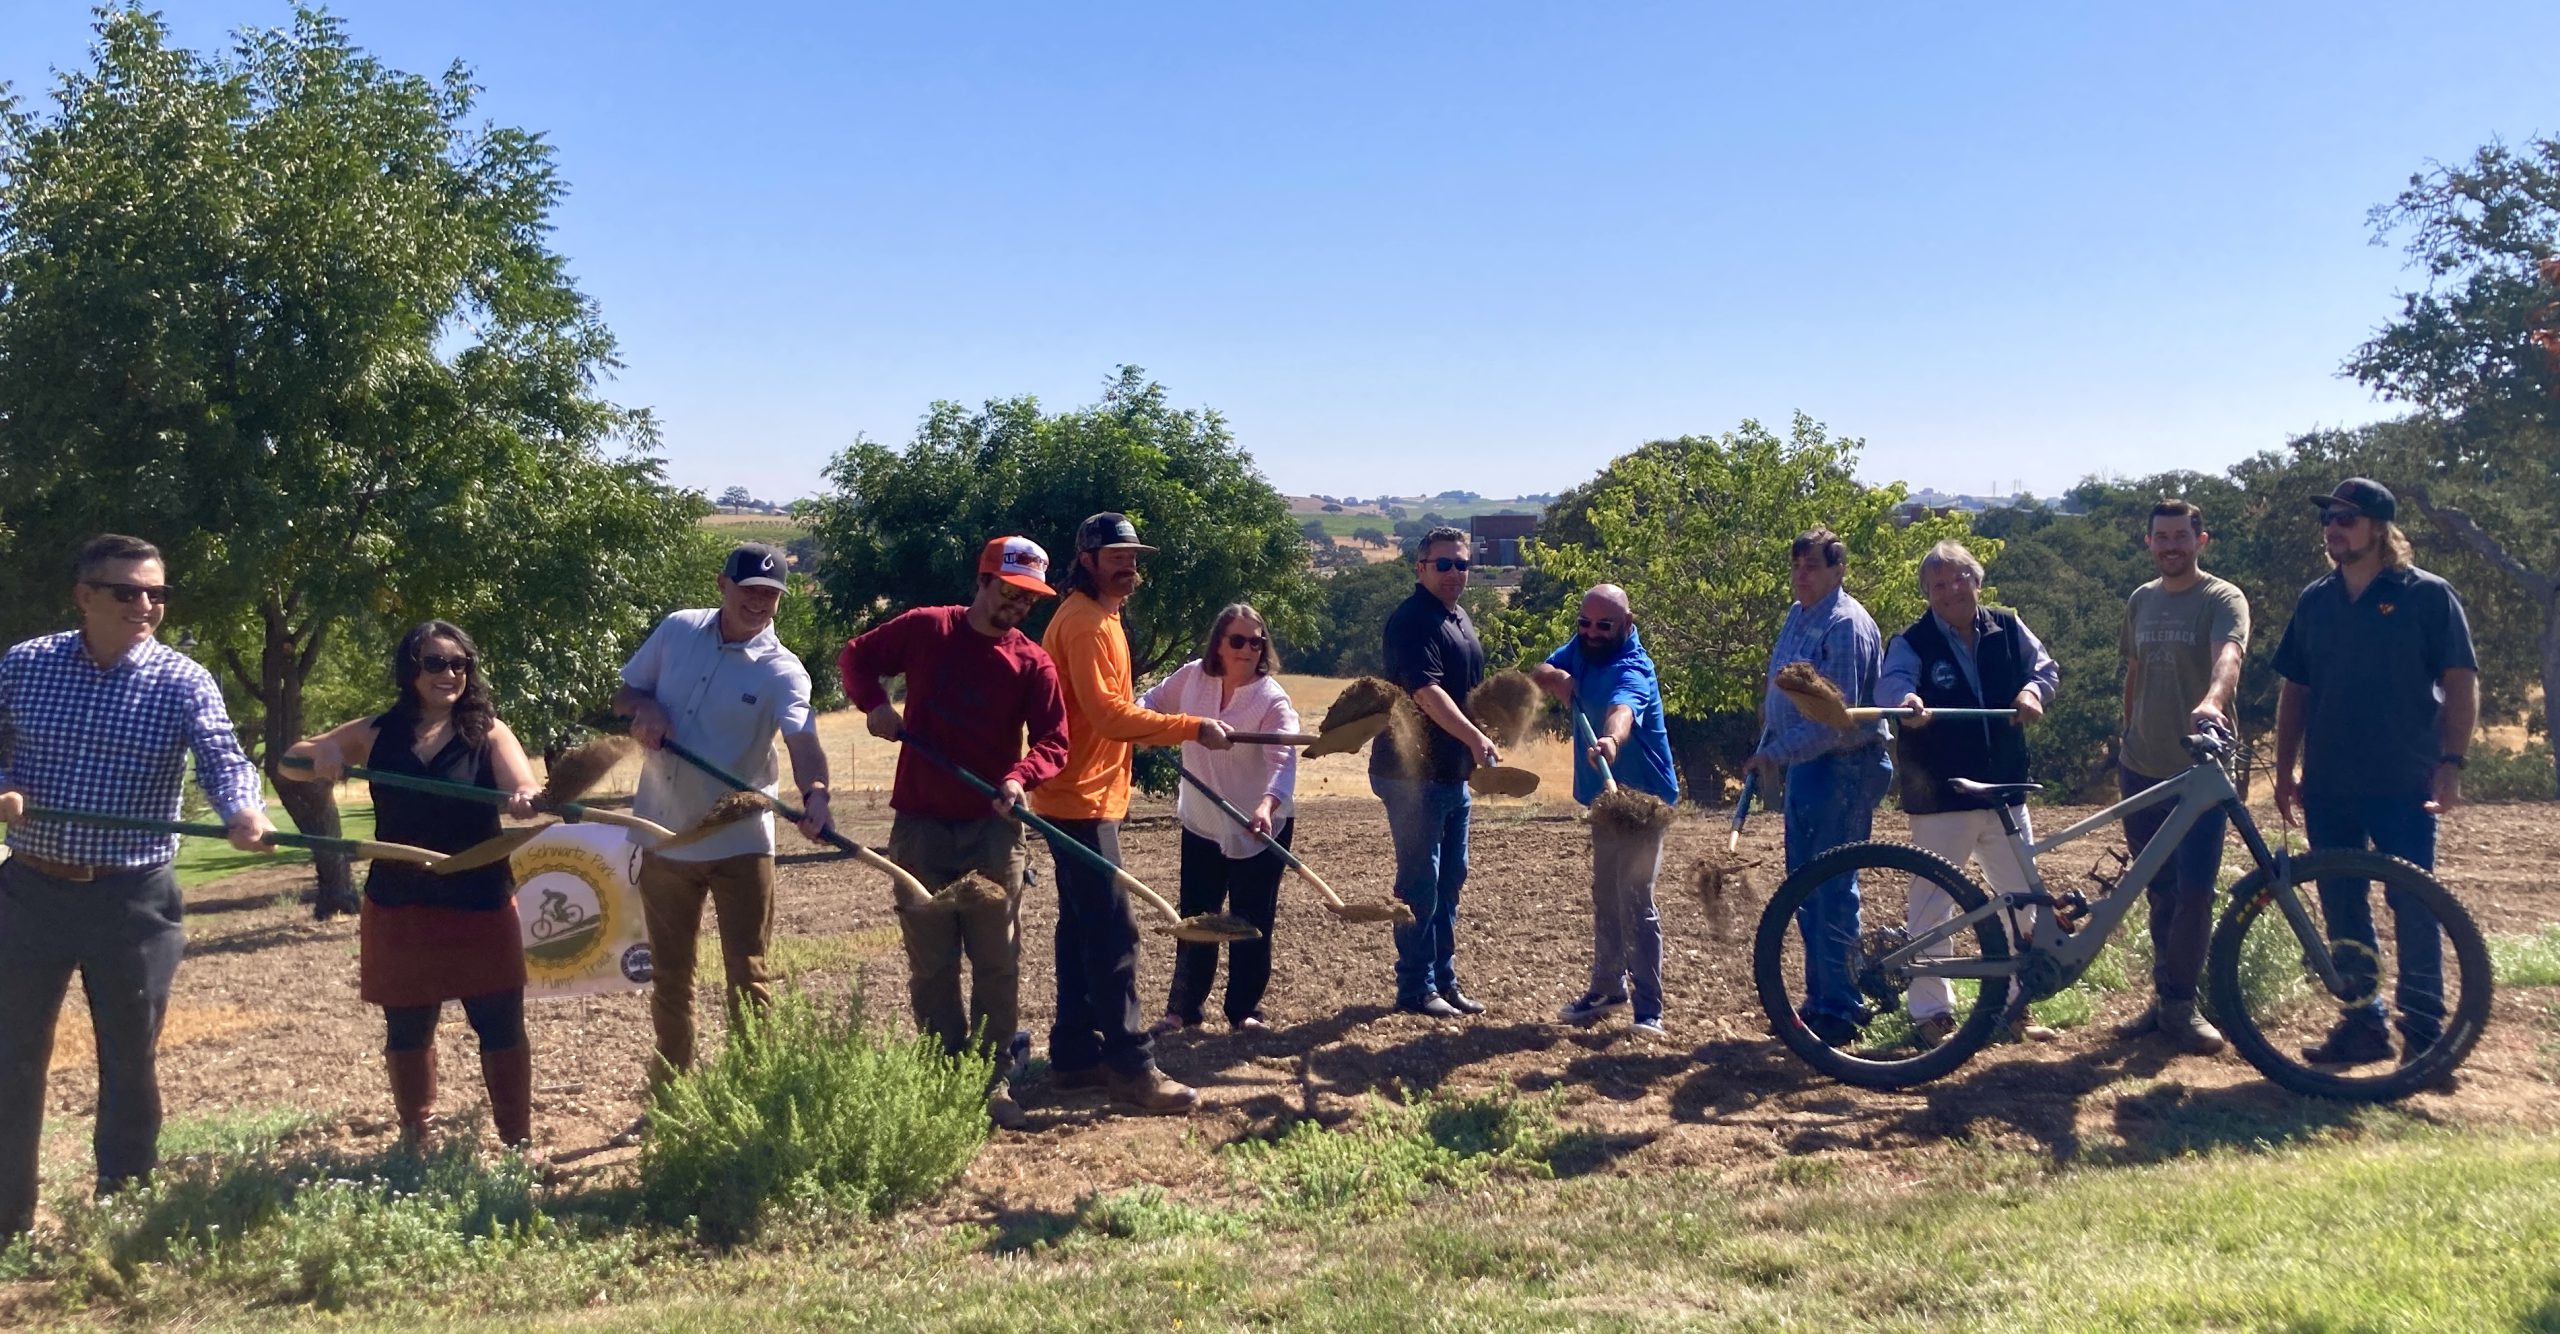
(2381, 690)
(1432, 652)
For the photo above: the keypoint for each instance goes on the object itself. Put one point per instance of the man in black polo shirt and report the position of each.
(1963, 655)
(1432, 652)
(2381, 690)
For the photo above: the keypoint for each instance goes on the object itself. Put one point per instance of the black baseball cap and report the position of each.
(1108, 531)
(755, 565)
(2363, 495)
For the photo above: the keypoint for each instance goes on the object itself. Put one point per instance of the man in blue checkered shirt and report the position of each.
(101, 718)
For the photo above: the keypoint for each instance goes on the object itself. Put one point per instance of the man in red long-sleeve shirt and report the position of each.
(976, 686)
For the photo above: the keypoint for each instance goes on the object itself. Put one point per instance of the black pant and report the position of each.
(2181, 893)
(1098, 1022)
(122, 933)
(1250, 888)
(497, 1017)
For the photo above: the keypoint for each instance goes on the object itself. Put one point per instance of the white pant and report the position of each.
(1960, 836)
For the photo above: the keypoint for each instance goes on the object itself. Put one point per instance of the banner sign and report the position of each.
(577, 893)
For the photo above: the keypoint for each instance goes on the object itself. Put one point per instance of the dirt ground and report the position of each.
(266, 1015)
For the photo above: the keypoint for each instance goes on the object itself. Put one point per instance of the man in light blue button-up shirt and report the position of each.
(1834, 777)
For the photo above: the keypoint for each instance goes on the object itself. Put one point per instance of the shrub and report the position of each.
(807, 1104)
(2502, 775)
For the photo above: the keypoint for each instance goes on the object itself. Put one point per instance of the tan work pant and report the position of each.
(938, 852)
(671, 894)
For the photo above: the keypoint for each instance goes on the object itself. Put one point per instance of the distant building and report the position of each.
(1498, 536)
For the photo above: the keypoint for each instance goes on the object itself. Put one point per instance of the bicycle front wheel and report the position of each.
(1829, 997)
(2404, 999)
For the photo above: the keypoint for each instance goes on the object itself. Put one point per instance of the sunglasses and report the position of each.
(129, 592)
(1444, 564)
(1254, 642)
(2338, 518)
(436, 664)
(1585, 624)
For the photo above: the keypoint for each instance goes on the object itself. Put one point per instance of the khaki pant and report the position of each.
(936, 853)
(671, 894)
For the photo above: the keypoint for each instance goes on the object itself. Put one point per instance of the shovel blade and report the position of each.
(1347, 738)
(1503, 781)
(1372, 912)
(488, 852)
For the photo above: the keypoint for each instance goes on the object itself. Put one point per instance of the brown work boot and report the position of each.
(413, 1092)
(2189, 1031)
(509, 1075)
(1002, 1111)
(1078, 1080)
(2141, 1025)
(1150, 1091)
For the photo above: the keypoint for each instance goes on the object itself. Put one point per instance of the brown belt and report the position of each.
(72, 871)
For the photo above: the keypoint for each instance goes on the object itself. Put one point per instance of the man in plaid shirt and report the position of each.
(101, 718)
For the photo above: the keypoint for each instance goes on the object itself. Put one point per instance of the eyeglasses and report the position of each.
(1444, 564)
(436, 664)
(1254, 642)
(2338, 518)
(129, 592)
(1581, 623)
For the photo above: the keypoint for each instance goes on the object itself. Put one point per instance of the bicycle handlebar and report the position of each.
(2210, 743)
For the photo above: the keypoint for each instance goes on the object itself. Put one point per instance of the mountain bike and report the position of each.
(2275, 979)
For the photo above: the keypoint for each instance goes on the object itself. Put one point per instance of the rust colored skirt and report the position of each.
(425, 955)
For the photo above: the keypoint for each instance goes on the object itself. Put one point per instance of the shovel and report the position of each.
(344, 847)
(903, 887)
(651, 831)
(1395, 912)
(1818, 699)
(1620, 808)
(1208, 929)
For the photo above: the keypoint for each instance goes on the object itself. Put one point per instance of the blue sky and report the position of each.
(1417, 247)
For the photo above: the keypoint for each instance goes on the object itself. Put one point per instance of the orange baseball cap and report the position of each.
(1018, 561)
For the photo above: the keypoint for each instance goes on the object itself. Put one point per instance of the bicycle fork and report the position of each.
(2280, 886)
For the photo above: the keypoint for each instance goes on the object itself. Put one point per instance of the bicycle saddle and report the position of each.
(2006, 794)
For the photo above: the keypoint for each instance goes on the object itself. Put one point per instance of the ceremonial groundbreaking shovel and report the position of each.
(908, 892)
(1394, 912)
(15, 804)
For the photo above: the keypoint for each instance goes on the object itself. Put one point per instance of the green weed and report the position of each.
(1397, 1153)
(2519, 960)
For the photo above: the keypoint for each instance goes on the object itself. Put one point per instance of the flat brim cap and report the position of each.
(2363, 495)
(756, 565)
(1109, 532)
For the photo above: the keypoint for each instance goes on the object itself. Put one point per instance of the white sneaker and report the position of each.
(1649, 1028)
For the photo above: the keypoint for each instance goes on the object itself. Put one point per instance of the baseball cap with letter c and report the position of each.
(1018, 561)
(755, 565)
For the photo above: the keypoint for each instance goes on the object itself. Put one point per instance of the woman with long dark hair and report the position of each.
(428, 938)
(1228, 867)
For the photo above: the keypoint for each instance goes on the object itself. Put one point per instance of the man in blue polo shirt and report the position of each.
(1432, 652)
(1604, 675)
(2381, 691)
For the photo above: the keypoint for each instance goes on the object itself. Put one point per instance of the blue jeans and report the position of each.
(1831, 801)
(1429, 824)
(2398, 827)
(2181, 893)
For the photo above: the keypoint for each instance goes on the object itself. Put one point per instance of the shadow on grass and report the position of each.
(1019, 1230)
(255, 939)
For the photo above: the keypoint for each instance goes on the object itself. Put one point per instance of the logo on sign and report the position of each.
(562, 895)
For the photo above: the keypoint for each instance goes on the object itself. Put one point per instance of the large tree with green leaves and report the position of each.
(293, 315)
(902, 527)
(1697, 531)
(2477, 350)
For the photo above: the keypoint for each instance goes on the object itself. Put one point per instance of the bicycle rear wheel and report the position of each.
(1882, 1048)
(2427, 964)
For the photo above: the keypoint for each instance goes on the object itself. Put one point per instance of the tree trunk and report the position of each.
(312, 806)
(2544, 589)
(2551, 686)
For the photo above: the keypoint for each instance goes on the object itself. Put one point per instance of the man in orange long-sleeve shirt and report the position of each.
(1100, 1037)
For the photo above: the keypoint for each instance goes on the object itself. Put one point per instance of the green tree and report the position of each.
(902, 528)
(1697, 531)
(291, 314)
(2477, 350)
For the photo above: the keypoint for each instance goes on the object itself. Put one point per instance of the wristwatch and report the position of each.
(2456, 761)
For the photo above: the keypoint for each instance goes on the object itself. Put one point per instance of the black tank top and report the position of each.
(428, 820)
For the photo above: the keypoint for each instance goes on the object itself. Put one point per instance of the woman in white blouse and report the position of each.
(1225, 866)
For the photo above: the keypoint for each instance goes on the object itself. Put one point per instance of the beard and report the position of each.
(1122, 582)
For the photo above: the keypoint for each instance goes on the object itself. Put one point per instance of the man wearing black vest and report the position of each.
(1961, 654)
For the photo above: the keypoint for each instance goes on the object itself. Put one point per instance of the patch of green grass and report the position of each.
(207, 859)
(1398, 1153)
(1806, 1170)
(239, 1133)
(1147, 1213)
(796, 955)
(2519, 960)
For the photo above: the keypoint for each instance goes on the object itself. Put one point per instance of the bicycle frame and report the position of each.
(2198, 790)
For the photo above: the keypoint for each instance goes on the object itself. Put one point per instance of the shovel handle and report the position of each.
(1268, 840)
(1273, 738)
(345, 847)
(414, 782)
(1582, 730)
(1057, 837)
(1870, 715)
(780, 807)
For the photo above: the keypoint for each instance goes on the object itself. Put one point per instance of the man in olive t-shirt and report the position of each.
(2184, 636)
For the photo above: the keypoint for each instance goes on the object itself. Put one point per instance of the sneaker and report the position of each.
(1590, 1007)
(1252, 1023)
(1649, 1027)
(2189, 1031)
(2141, 1025)
(1002, 1111)
(1458, 1001)
(1831, 1029)
(1432, 1006)
(1076, 1081)
(2357, 1040)
(630, 1134)
(1171, 1023)
(1152, 1092)
(1929, 1032)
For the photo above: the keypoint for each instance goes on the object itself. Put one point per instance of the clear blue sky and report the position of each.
(1409, 247)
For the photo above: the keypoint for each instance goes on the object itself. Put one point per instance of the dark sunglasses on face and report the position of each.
(436, 664)
(1603, 626)
(1254, 642)
(1444, 564)
(129, 592)
(2338, 518)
